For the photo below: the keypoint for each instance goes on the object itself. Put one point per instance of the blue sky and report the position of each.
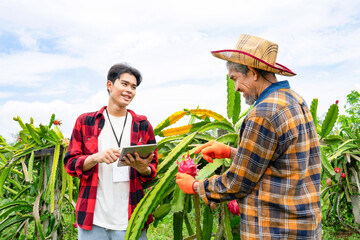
(54, 55)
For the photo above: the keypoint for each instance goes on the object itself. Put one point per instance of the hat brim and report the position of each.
(247, 59)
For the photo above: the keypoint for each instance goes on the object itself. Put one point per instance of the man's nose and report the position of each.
(236, 86)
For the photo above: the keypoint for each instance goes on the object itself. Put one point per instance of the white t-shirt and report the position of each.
(112, 198)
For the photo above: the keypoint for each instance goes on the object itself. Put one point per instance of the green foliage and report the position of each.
(31, 207)
(340, 150)
(351, 119)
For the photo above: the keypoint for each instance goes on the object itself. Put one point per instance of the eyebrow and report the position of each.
(125, 81)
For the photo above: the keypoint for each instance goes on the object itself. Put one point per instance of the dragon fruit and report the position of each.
(187, 165)
(233, 207)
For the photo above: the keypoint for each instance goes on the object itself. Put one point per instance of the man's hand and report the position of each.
(107, 156)
(185, 182)
(214, 149)
(140, 164)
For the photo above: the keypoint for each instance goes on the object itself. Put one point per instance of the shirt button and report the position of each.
(88, 139)
(99, 129)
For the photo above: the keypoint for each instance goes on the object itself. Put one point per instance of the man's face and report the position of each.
(244, 84)
(123, 90)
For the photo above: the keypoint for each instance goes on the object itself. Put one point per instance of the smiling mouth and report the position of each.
(127, 97)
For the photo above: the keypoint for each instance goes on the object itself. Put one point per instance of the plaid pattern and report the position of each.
(275, 175)
(84, 142)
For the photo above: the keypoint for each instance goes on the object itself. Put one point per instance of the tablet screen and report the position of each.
(143, 150)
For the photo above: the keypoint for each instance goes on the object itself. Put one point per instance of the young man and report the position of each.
(109, 194)
(275, 173)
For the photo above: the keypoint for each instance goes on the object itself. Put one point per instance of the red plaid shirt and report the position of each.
(84, 142)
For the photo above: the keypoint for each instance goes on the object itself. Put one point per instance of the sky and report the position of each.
(55, 55)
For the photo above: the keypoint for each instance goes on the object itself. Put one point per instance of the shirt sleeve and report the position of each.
(150, 139)
(256, 150)
(75, 157)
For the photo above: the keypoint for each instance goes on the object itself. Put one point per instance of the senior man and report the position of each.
(275, 172)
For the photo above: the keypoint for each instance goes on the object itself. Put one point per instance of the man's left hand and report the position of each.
(186, 182)
(140, 164)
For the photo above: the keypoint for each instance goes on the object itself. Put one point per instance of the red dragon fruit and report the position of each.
(187, 165)
(57, 122)
(233, 207)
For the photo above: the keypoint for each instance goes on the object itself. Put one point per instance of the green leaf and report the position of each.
(33, 133)
(11, 204)
(12, 221)
(31, 166)
(329, 120)
(178, 225)
(168, 140)
(17, 208)
(58, 132)
(237, 108)
(51, 120)
(209, 169)
(53, 176)
(325, 163)
(176, 152)
(148, 203)
(230, 96)
(207, 223)
(229, 138)
(21, 192)
(36, 215)
(333, 139)
(3, 177)
(242, 117)
(21, 123)
(216, 125)
(313, 110)
(227, 226)
(178, 201)
(204, 136)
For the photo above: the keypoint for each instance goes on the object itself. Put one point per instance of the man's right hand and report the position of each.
(107, 156)
(214, 149)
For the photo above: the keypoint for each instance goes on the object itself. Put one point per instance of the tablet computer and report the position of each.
(143, 150)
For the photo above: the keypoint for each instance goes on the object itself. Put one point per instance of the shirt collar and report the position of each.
(272, 88)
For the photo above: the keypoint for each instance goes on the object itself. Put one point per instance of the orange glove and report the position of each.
(214, 149)
(185, 182)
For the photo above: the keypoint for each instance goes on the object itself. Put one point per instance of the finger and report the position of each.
(210, 150)
(115, 150)
(130, 157)
(203, 146)
(208, 158)
(126, 160)
(149, 159)
(180, 175)
(106, 160)
(137, 156)
(110, 154)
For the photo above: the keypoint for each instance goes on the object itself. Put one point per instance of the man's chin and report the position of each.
(250, 100)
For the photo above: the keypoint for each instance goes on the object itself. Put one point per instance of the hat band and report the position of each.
(282, 68)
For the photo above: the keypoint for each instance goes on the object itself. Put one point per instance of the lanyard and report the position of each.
(117, 141)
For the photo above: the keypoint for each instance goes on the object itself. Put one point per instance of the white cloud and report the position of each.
(26, 68)
(170, 43)
(4, 95)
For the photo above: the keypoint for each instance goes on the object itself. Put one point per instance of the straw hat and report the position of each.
(255, 52)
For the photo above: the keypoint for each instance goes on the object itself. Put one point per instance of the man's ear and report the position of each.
(254, 72)
(109, 85)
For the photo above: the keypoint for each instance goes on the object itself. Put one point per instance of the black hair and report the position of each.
(120, 68)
